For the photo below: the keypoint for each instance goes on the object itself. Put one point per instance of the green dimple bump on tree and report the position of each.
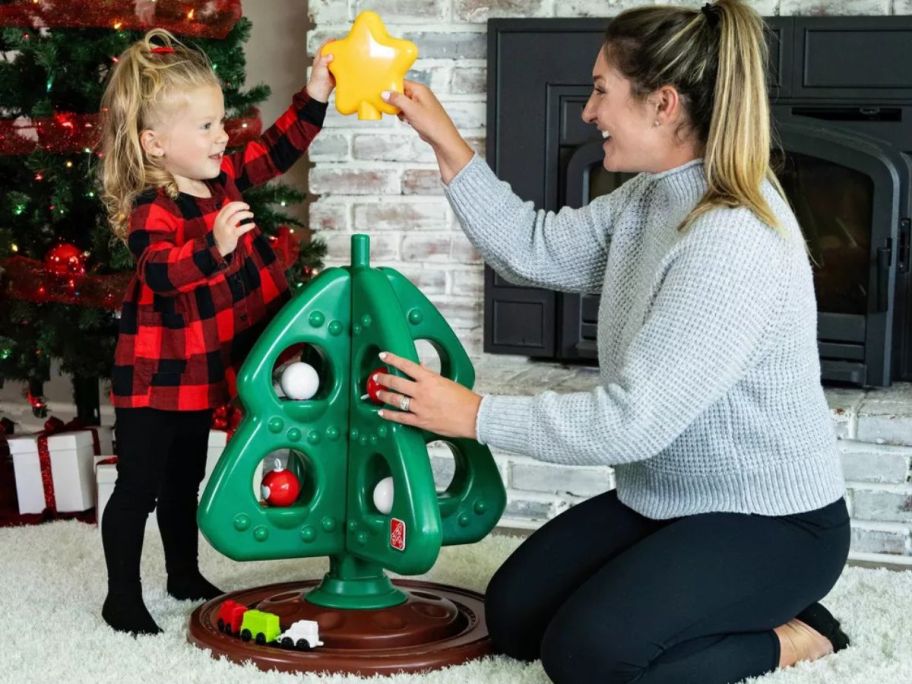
(335, 515)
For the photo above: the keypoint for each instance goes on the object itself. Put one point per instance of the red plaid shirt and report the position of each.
(190, 316)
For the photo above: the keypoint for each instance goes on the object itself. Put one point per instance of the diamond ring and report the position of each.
(404, 403)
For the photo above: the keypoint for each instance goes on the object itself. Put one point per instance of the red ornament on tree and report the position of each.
(373, 386)
(280, 486)
(65, 260)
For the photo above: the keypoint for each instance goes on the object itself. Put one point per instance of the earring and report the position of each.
(656, 123)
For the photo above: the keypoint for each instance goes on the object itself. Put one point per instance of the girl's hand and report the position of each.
(436, 403)
(227, 230)
(420, 109)
(321, 81)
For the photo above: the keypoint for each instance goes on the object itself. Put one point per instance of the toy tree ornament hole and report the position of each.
(304, 374)
(288, 479)
(443, 464)
(429, 356)
(376, 486)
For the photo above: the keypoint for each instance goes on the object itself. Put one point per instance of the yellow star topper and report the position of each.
(365, 63)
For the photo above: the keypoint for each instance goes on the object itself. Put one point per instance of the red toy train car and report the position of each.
(230, 615)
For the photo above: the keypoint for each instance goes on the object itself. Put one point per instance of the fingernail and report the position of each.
(383, 355)
(380, 413)
(376, 377)
(385, 94)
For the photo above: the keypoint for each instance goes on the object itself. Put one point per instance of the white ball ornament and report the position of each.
(300, 381)
(383, 495)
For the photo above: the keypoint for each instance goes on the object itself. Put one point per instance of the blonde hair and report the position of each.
(145, 77)
(717, 60)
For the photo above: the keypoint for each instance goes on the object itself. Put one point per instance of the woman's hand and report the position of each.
(321, 81)
(421, 110)
(435, 403)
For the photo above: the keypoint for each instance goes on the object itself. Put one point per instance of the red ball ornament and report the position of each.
(280, 487)
(65, 260)
(373, 386)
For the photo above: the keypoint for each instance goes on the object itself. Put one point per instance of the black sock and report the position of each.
(819, 618)
(192, 586)
(127, 613)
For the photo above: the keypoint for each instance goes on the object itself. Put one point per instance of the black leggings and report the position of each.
(603, 594)
(161, 462)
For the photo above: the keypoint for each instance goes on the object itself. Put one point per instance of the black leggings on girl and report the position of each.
(161, 462)
(603, 594)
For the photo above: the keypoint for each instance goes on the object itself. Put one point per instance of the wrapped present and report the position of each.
(105, 477)
(53, 470)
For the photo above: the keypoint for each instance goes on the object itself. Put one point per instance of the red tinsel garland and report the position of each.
(29, 280)
(201, 19)
(69, 132)
(26, 279)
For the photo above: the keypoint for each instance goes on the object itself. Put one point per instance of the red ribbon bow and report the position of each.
(163, 50)
(53, 426)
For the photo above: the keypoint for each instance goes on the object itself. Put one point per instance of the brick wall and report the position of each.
(379, 178)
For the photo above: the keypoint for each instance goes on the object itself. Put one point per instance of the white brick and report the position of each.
(885, 416)
(532, 507)
(467, 115)
(329, 12)
(545, 477)
(402, 216)
(882, 505)
(422, 182)
(833, 7)
(862, 462)
(329, 147)
(347, 180)
(463, 250)
(882, 541)
(479, 11)
(392, 147)
(329, 215)
(435, 76)
(469, 81)
(406, 11)
(468, 283)
(844, 404)
(429, 280)
(426, 248)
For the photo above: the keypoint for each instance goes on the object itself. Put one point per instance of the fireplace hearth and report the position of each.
(841, 97)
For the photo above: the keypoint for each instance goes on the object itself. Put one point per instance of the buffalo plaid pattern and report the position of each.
(190, 316)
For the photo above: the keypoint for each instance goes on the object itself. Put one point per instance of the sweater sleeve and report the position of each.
(564, 251)
(273, 153)
(165, 267)
(707, 325)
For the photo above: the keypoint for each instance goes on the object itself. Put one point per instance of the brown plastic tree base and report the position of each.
(436, 627)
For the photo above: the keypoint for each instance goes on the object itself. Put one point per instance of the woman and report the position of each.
(728, 523)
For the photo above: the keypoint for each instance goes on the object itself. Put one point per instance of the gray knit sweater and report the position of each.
(709, 396)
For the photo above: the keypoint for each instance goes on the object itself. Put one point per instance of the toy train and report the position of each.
(236, 619)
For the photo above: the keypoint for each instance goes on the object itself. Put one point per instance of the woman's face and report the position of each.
(632, 140)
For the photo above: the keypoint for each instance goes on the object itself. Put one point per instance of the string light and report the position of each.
(14, 247)
(69, 164)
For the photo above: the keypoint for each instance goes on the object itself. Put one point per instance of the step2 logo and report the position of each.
(397, 534)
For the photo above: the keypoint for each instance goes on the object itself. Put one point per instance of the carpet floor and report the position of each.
(52, 583)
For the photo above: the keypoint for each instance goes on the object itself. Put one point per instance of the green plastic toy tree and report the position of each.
(349, 315)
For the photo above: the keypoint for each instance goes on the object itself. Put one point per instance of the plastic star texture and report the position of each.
(365, 63)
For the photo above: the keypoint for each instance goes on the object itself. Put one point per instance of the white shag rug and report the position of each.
(52, 583)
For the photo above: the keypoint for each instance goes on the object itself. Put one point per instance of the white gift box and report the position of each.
(72, 460)
(105, 477)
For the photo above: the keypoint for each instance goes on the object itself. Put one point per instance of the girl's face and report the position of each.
(190, 141)
(632, 140)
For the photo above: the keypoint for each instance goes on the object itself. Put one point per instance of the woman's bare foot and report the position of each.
(799, 641)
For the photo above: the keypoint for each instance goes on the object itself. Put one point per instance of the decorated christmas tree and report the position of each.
(62, 273)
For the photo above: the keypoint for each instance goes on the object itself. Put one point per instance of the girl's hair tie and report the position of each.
(163, 50)
(712, 14)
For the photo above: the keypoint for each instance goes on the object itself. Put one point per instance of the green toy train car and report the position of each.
(260, 626)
